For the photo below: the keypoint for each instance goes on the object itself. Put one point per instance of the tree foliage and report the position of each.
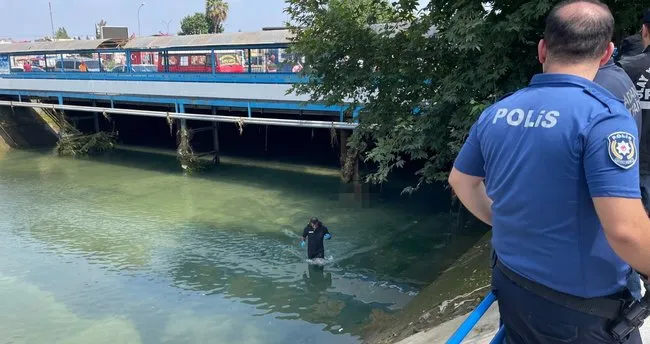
(195, 24)
(61, 33)
(216, 11)
(420, 92)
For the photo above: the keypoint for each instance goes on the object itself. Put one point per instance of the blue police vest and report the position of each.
(545, 151)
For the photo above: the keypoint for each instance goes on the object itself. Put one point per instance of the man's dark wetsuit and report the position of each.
(315, 237)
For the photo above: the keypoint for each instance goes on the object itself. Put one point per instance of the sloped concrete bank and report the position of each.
(449, 298)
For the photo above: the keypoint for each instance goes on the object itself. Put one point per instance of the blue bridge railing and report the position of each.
(471, 321)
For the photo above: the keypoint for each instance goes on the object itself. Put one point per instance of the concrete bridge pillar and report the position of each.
(96, 118)
(215, 137)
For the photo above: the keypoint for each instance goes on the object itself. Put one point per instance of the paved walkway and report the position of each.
(481, 334)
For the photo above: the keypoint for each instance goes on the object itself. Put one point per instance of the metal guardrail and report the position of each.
(188, 116)
(466, 327)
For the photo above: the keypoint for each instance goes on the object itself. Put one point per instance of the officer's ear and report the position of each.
(608, 54)
(645, 33)
(542, 51)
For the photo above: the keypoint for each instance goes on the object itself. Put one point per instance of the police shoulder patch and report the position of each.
(622, 149)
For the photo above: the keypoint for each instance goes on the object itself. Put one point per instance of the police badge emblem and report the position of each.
(622, 149)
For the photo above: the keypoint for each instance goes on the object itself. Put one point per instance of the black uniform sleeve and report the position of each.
(325, 230)
(305, 232)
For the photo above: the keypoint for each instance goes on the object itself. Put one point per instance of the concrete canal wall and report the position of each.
(26, 128)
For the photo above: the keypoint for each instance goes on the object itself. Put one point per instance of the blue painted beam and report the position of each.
(128, 61)
(213, 58)
(244, 78)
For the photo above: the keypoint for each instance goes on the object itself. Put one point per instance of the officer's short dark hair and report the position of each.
(576, 37)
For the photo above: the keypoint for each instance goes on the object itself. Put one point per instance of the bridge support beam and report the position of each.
(180, 108)
(96, 116)
(215, 137)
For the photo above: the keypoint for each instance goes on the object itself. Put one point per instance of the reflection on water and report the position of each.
(124, 249)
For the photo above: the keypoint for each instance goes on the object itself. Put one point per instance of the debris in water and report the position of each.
(81, 145)
(74, 143)
(190, 162)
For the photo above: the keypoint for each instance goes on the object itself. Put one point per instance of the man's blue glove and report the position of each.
(302, 244)
(328, 236)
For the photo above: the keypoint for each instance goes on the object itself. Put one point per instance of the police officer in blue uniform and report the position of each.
(554, 169)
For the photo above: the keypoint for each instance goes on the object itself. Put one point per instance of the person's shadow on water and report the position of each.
(316, 280)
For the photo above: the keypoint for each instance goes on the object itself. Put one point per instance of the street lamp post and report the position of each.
(139, 29)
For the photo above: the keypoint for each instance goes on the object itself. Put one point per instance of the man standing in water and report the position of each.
(315, 233)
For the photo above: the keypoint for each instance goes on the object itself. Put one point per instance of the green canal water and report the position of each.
(126, 249)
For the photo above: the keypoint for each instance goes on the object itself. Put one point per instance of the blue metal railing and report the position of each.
(471, 321)
(255, 78)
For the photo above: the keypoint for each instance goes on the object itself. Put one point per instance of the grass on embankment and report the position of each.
(457, 291)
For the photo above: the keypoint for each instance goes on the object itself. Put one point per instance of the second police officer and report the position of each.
(638, 68)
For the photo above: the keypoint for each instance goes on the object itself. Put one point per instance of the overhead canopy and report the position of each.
(234, 39)
(57, 46)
